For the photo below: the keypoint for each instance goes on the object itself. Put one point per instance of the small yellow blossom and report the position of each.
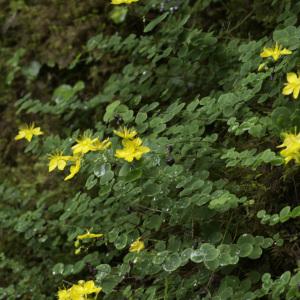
(117, 2)
(79, 291)
(86, 144)
(133, 149)
(291, 143)
(74, 169)
(58, 160)
(126, 133)
(27, 132)
(292, 86)
(89, 235)
(137, 246)
(275, 52)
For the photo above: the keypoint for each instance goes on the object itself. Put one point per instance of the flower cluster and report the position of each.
(293, 80)
(79, 291)
(87, 235)
(291, 142)
(132, 146)
(82, 146)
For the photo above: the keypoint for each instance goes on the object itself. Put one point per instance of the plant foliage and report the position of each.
(203, 206)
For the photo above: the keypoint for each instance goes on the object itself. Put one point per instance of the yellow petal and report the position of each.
(28, 136)
(266, 52)
(61, 164)
(286, 51)
(37, 131)
(296, 92)
(89, 235)
(52, 165)
(291, 77)
(73, 170)
(287, 90)
(20, 136)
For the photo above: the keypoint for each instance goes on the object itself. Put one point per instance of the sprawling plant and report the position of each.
(149, 150)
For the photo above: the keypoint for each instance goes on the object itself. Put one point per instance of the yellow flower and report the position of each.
(86, 144)
(291, 143)
(137, 246)
(292, 85)
(74, 169)
(27, 132)
(58, 160)
(125, 133)
(89, 235)
(117, 2)
(79, 291)
(275, 52)
(89, 287)
(98, 145)
(64, 295)
(133, 149)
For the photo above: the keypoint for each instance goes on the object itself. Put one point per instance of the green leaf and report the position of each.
(103, 270)
(133, 175)
(108, 176)
(110, 109)
(154, 222)
(151, 189)
(91, 182)
(284, 214)
(121, 241)
(58, 269)
(172, 262)
(245, 249)
(150, 26)
(140, 118)
(206, 252)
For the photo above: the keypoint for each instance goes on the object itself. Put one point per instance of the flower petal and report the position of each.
(291, 77)
(296, 92)
(266, 52)
(288, 89)
(61, 164)
(285, 51)
(52, 165)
